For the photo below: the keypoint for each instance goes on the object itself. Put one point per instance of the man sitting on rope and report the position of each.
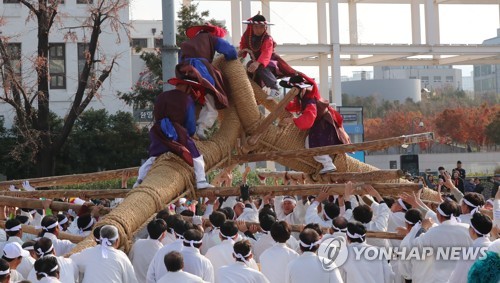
(195, 61)
(174, 115)
(267, 65)
(322, 121)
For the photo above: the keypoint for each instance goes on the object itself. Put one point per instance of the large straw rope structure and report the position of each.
(170, 176)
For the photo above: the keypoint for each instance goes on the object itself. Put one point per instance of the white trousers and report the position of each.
(208, 115)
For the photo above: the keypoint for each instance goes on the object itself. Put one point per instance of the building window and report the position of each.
(14, 50)
(82, 58)
(424, 79)
(437, 79)
(84, 1)
(412, 77)
(449, 79)
(10, 1)
(57, 65)
(139, 42)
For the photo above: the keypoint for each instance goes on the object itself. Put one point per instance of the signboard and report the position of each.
(143, 115)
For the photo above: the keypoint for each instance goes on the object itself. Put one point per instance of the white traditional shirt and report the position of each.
(157, 268)
(410, 268)
(180, 276)
(362, 270)
(312, 216)
(449, 233)
(61, 247)
(117, 268)
(461, 270)
(222, 254)
(465, 218)
(197, 264)
(274, 260)
(249, 214)
(142, 254)
(49, 280)
(210, 238)
(266, 241)
(15, 276)
(239, 272)
(68, 271)
(296, 217)
(168, 239)
(26, 262)
(379, 222)
(308, 268)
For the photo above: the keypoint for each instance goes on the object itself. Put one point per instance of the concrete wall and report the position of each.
(71, 14)
(391, 90)
(482, 162)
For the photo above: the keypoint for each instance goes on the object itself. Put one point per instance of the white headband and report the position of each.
(105, 244)
(468, 203)
(442, 212)
(64, 221)
(45, 274)
(411, 223)
(227, 237)
(51, 226)
(290, 199)
(474, 228)
(29, 248)
(243, 257)
(338, 229)
(179, 235)
(4, 272)
(42, 253)
(192, 242)
(15, 228)
(32, 211)
(355, 235)
(401, 202)
(92, 221)
(309, 246)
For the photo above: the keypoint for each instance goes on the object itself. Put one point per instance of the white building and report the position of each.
(432, 78)
(66, 55)
(487, 77)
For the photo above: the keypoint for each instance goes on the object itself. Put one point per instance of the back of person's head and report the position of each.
(97, 234)
(163, 214)
(156, 227)
(28, 245)
(447, 208)
(217, 218)
(62, 219)
(85, 222)
(389, 200)
(266, 221)
(4, 271)
(43, 247)
(309, 240)
(23, 219)
(315, 227)
(331, 210)
(109, 235)
(362, 213)
(179, 228)
(339, 224)
(473, 200)
(481, 224)
(228, 211)
(356, 232)
(49, 224)
(229, 229)
(242, 250)
(46, 266)
(174, 261)
(187, 212)
(280, 231)
(193, 238)
(413, 216)
(171, 220)
(12, 227)
(267, 211)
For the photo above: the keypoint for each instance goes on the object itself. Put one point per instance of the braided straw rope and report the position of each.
(170, 175)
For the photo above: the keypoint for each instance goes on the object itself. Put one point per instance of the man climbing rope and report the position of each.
(322, 121)
(174, 116)
(197, 54)
(267, 65)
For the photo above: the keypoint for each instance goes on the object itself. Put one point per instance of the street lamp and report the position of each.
(413, 123)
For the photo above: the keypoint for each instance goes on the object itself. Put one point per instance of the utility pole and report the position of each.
(169, 49)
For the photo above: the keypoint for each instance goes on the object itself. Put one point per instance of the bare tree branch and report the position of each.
(32, 9)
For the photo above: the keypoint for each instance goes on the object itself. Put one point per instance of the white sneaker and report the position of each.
(203, 185)
(328, 169)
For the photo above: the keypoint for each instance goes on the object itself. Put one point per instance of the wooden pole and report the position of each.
(62, 235)
(372, 176)
(264, 124)
(37, 204)
(65, 180)
(84, 194)
(334, 189)
(299, 228)
(332, 149)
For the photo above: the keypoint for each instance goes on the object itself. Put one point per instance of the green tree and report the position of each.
(493, 129)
